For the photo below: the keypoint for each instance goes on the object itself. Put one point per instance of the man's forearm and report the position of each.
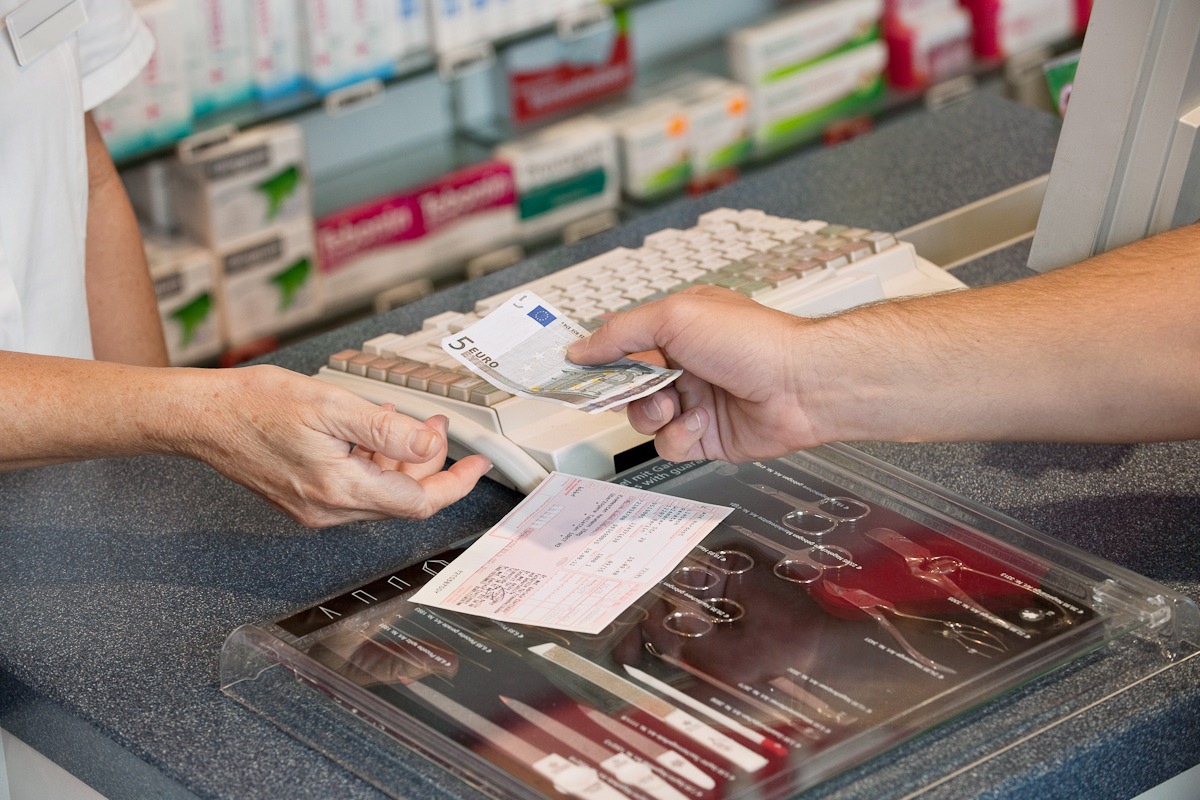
(121, 304)
(1106, 350)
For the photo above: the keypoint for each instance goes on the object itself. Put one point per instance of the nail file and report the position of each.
(678, 719)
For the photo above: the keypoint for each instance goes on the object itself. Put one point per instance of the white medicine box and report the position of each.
(184, 276)
(654, 147)
(269, 284)
(563, 173)
(242, 185)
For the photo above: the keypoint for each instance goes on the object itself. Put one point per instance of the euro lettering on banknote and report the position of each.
(521, 347)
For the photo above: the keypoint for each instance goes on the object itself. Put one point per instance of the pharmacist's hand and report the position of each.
(739, 396)
(288, 438)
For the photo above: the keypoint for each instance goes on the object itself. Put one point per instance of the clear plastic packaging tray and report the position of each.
(844, 607)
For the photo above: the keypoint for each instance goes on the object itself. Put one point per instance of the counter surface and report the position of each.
(121, 578)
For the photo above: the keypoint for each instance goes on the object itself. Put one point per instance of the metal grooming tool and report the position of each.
(653, 705)
(872, 605)
(568, 777)
(691, 617)
(800, 694)
(803, 565)
(793, 719)
(946, 565)
(702, 574)
(972, 638)
(933, 569)
(808, 517)
(633, 772)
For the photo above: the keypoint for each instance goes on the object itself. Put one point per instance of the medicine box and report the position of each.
(276, 47)
(798, 107)
(772, 50)
(1005, 27)
(718, 111)
(184, 276)
(341, 42)
(427, 232)
(563, 173)
(155, 108)
(652, 141)
(269, 284)
(241, 185)
(928, 46)
(219, 52)
(413, 22)
(455, 24)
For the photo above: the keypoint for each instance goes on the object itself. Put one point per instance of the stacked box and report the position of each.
(654, 149)
(248, 199)
(219, 53)
(563, 173)
(808, 68)
(718, 110)
(276, 47)
(185, 283)
(928, 41)
(269, 284)
(242, 185)
(1005, 27)
(427, 232)
(155, 108)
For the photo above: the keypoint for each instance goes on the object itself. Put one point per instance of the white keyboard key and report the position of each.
(380, 344)
(442, 322)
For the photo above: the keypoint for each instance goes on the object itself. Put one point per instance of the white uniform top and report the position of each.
(43, 173)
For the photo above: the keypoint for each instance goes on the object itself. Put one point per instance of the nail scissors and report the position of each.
(698, 574)
(691, 617)
(819, 518)
(972, 638)
(935, 570)
(804, 565)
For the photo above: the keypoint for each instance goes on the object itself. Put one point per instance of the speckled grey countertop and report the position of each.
(121, 579)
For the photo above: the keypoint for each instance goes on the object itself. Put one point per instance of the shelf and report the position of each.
(258, 111)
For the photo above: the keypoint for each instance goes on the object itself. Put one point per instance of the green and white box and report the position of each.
(269, 284)
(243, 185)
(185, 283)
(719, 122)
(797, 108)
(653, 146)
(562, 174)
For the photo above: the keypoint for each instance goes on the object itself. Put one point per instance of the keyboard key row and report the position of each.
(458, 384)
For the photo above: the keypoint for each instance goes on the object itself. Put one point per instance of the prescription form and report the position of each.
(573, 555)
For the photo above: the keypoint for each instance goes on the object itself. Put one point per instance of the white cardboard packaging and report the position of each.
(185, 283)
(268, 284)
(762, 53)
(155, 108)
(718, 110)
(219, 53)
(778, 106)
(276, 47)
(335, 42)
(652, 138)
(563, 173)
(253, 181)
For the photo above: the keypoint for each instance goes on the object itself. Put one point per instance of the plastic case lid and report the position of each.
(844, 607)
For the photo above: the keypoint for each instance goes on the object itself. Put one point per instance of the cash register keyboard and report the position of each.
(803, 267)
